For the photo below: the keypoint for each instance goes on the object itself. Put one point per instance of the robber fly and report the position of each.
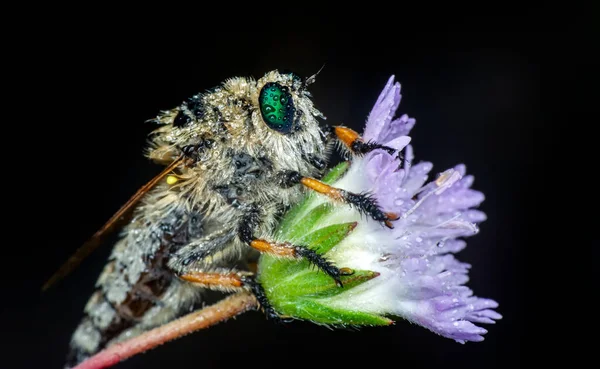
(236, 156)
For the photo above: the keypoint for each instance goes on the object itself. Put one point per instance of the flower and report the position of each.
(409, 271)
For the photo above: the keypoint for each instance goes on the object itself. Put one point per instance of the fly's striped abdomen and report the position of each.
(136, 289)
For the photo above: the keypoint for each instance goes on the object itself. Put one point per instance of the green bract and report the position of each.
(297, 289)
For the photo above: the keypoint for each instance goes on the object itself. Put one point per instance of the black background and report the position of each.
(489, 100)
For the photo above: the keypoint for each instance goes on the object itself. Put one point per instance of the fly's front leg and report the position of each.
(250, 223)
(357, 146)
(363, 202)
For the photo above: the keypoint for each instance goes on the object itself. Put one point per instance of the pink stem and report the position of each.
(211, 315)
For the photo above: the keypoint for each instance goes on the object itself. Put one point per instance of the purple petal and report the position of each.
(474, 216)
(433, 295)
(398, 143)
(398, 127)
(451, 246)
(417, 176)
(383, 112)
(452, 201)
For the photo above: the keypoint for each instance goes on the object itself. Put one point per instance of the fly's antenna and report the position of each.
(311, 79)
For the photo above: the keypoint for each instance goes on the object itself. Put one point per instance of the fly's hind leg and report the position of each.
(195, 262)
(228, 280)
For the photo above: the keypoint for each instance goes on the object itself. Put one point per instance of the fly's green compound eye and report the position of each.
(277, 107)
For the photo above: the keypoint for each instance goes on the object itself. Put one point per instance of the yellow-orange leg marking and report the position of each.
(363, 203)
(323, 188)
(356, 144)
(346, 135)
(278, 249)
(211, 279)
(232, 280)
(292, 251)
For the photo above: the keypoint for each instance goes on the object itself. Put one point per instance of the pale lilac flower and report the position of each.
(420, 279)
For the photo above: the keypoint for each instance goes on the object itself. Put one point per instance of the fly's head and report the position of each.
(284, 120)
(283, 104)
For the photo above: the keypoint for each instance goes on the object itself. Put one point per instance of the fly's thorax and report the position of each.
(234, 180)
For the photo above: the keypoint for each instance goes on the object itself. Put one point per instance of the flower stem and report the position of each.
(204, 318)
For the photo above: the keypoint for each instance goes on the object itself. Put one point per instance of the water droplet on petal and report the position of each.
(442, 242)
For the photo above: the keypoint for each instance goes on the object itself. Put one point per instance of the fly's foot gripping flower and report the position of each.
(409, 271)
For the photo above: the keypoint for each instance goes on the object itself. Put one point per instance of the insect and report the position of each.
(236, 156)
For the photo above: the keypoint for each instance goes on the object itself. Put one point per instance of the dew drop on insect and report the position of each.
(181, 119)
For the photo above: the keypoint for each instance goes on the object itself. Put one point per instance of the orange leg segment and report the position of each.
(346, 135)
(212, 279)
(363, 203)
(292, 251)
(322, 188)
(229, 281)
(356, 144)
(278, 249)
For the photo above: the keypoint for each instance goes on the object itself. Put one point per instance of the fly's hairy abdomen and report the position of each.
(136, 290)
